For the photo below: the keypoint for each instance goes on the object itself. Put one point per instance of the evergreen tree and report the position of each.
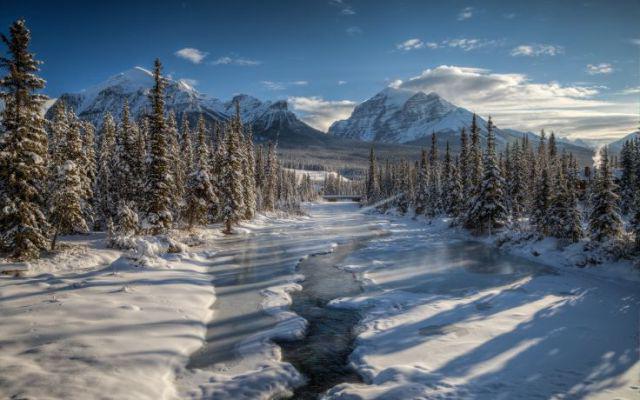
(372, 190)
(231, 202)
(604, 221)
(464, 162)
(200, 194)
(271, 171)
(628, 179)
(542, 202)
(488, 211)
(175, 164)
(160, 183)
(475, 156)
(455, 191)
(105, 180)
(89, 167)
(249, 177)
(422, 189)
(23, 150)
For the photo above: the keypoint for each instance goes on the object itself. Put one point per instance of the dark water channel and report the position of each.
(322, 355)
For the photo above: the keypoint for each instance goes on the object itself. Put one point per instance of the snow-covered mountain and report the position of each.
(401, 116)
(268, 119)
(616, 145)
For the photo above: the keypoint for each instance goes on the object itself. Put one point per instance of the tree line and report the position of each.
(133, 177)
(525, 187)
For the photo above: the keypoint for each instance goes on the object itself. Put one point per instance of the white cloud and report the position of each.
(534, 50)
(509, 15)
(468, 44)
(354, 31)
(432, 45)
(515, 101)
(189, 53)
(243, 62)
(410, 44)
(340, 83)
(599, 69)
(321, 113)
(273, 85)
(635, 41)
(345, 9)
(465, 13)
(628, 91)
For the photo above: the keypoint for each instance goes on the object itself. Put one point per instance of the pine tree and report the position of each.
(604, 221)
(105, 180)
(175, 163)
(249, 177)
(475, 156)
(200, 194)
(455, 191)
(542, 202)
(23, 150)
(628, 179)
(372, 191)
(434, 199)
(464, 162)
(271, 171)
(186, 157)
(488, 210)
(231, 200)
(89, 167)
(159, 201)
(67, 192)
(422, 189)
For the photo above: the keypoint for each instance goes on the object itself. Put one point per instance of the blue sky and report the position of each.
(572, 66)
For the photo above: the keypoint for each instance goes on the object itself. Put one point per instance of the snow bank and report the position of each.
(438, 324)
(90, 322)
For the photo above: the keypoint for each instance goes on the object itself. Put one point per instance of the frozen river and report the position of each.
(436, 316)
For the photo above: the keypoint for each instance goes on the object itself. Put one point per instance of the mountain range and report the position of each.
(395, 119)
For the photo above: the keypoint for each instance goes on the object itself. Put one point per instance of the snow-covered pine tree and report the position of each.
(516, 185)
(488, 211)
(125, 226)
(23, 150)
(448, 202)
(628, 180)
(105, 180)
(402, 202)
(89, 167)
(563, 220)
(67, 192)
(604, 221)
(372, 190)
(434, 199)
(455, 191)
(200, 193)
(464, 162)
(422, 188)
(160, 183)
(186, 155)
(541, 203)
(175, 163)
(475, 159)
(231, 201)
(271, 177)
(249, 178)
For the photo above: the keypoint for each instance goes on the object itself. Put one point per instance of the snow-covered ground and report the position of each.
(447, 317)
(444, 317)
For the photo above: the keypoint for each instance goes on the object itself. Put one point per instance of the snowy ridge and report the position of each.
(132, 86)
(403, 116)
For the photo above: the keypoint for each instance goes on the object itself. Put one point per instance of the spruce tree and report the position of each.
(488, 211)
(231, 202)
(67, 195)
(464, 162)
(106, 184)
(160, 183)
(270, 186)
(475, 156)
(23, 150)
(200, 194)
(90, 170)
(372, 190)
(604, 221)
(422, 189)
(434, 199)
(249, 176)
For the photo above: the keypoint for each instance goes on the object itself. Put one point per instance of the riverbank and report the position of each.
(446, 317)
